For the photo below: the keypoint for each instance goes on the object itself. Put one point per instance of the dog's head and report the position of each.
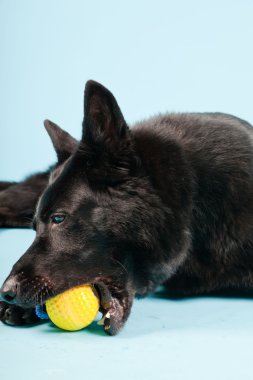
(95, 217)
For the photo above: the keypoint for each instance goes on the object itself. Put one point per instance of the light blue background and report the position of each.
(155, 56)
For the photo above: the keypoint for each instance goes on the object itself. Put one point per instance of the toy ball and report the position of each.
(74, 309)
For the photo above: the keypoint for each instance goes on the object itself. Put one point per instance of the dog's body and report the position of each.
(167, 202)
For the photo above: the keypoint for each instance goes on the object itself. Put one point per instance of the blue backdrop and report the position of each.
(155, 56)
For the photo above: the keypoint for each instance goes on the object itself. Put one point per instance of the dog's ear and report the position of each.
(103, 121)
(63, 143)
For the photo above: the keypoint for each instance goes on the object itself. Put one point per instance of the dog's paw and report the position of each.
(17, 316)
(116, 315)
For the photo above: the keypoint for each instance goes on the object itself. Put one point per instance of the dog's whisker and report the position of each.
(49, 294)
(122, 266)
(27, 218)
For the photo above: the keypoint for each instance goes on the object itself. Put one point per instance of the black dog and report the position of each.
(169, 201)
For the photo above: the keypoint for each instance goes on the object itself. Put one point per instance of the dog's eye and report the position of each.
(57, 219)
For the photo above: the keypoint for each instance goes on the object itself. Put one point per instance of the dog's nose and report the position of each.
(8, 291)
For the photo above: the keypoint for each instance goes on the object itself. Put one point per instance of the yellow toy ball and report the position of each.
(74, 309)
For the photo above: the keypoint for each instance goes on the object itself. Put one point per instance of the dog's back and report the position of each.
(218, 151)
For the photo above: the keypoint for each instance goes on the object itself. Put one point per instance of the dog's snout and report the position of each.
(8, 291)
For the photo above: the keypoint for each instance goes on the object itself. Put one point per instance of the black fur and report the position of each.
(168, 201)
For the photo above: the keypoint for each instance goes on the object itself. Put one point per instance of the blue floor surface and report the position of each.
(200, 338)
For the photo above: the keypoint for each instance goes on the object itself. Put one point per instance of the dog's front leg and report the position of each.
(18, 200)
(17, 316)
(5, 184)
(116, 310)
(117, 314)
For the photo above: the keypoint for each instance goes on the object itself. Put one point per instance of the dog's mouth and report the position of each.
(105, 303)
